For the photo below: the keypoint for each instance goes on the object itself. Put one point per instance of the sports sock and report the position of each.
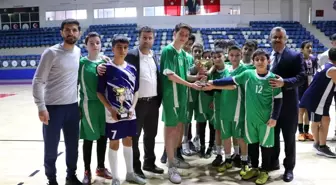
(113, 159)
(128, 155)
(306, 128)
(244, 157)
(300, 125)
(219, 149)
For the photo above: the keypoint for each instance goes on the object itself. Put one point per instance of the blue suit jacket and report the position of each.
(133, 57)
(291, 69)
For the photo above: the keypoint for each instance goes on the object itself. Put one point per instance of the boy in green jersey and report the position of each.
(173, 68)
(248, 49)
(92, 123)
(262, 105)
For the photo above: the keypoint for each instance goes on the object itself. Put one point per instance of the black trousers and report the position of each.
(287, 124)
(147, 113)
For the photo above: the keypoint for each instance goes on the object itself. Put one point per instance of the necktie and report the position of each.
(276, 59)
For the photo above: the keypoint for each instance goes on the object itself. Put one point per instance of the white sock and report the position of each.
(243, 157)
(128, 155)
(219, 149)
(227, 156)
(236, 149)
(113, 159)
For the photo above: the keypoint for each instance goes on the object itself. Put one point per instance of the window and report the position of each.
(109, 13)
(103, 13)
(50, 16)
(125, 12)
(154, 11)
(67, 14)
(81, 14)
(60, 15)
(71, 14)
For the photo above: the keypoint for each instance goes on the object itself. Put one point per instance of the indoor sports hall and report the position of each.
(28, 27)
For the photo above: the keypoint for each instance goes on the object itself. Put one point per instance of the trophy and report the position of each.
(204, 66)
(121, 98)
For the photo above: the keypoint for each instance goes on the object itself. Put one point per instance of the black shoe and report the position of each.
(52, 182)
(201, 153)
(236, 160)
(73, 181)
(153, 169)
(139, 173)
(288, 176)
(208, 153)
(218, 161)
(192, 146)
(179, 154)
(164, 157)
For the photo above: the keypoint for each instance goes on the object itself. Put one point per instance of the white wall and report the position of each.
(327, 6)
(286, 13)
(251, 10)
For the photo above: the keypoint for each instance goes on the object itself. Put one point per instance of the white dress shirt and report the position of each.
(148, 76)
(323, 58)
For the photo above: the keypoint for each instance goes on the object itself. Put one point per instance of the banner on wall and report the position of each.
(172, 7)
(192, 7)
(211, 6)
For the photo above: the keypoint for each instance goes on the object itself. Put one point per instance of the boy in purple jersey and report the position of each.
(118, 91)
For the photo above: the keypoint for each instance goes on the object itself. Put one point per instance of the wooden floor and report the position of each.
(21, 155)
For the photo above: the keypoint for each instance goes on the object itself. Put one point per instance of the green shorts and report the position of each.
(204, 117)
(172, 116)
(259, 133)
(232, 129)
(92, 123)
(217, 119)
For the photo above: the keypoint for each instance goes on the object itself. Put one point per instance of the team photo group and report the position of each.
(245, 95)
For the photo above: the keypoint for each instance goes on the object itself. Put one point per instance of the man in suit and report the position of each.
(150, 96)
(289, 66)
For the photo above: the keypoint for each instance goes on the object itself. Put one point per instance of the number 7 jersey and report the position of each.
(259, 95)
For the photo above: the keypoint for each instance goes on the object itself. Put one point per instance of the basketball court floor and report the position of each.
(21, 152)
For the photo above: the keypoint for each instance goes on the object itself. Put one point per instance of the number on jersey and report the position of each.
(259, 89)
(114, 133)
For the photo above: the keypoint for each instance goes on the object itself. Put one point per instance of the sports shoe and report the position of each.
(174, 176)
(218, 161)
(197, 143)
(236, 160)
(186, 150)
(72, 181)
(244, 168)
(254, 172)
(133, 178)
(201, 152)
(87, 178)
(208, 153)
(228, 164)
(309, 137)
(262, 178)
(177, 163)
(104, 173)
(192, 146)
(325, 151)
(302, 137)
(115, 182)
(316, 146)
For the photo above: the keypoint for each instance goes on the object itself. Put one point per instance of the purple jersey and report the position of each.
(119, 84)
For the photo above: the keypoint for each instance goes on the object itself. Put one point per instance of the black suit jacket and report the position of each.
(133, 57)
(291, 69)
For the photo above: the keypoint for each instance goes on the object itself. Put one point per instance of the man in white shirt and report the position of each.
(324, 58)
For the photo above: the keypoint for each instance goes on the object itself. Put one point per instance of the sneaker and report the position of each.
(133, 178)
(218, 161)
(177, 163)
(262, 178)
(228, 164)
(236, 160)
(87, 178)
(201, 152)
(164, 157)
(72, 181)
(244, 168)
(192, 147)
(302, 137)
(254, 172)
(186, 150)
(197, 144)
(325, 151)
(52, 182)
(104, 173)
(115, 182)
(309, 137)
(208, 153)
(316, 146)
(174, 176)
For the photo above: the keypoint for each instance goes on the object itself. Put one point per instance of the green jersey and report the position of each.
(259, 102)
(250, 66)
(218, 74)
(231, 100)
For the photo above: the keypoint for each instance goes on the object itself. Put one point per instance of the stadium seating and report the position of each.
(327, 27)
(258, 30)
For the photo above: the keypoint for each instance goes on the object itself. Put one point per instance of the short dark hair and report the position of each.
(192, 38)
(218, 50)
(146, 29)
(119, 39)
(179, 26)
(260, 52)
(70, 21)
(206, 51)
(197, 45)
(251, 43)
(333, 37)
(234, 47)
(231, 43)
(332, 54)
(220, 43)
(304, 43)
(90, 35)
